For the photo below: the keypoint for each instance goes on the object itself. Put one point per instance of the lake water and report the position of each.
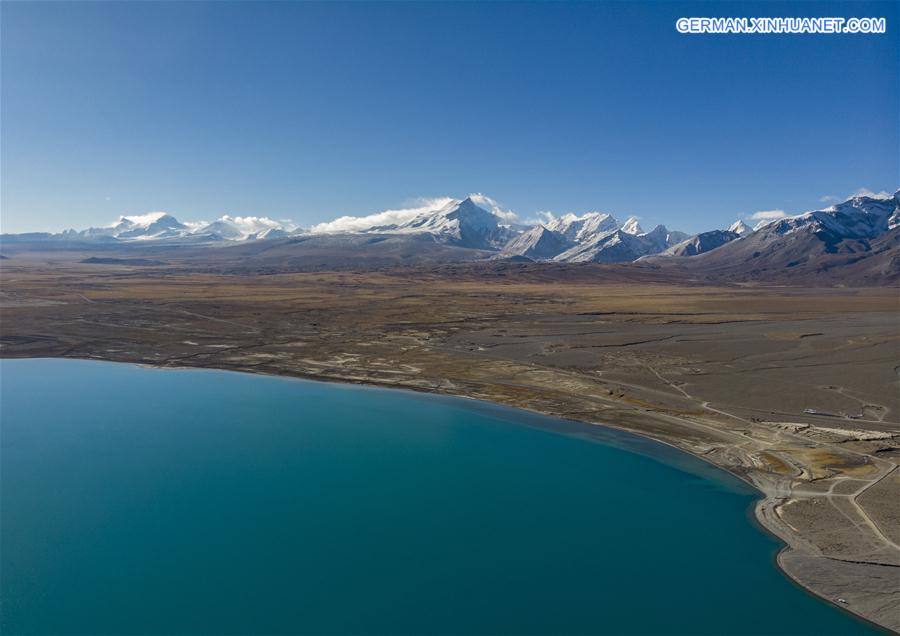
(138, 500)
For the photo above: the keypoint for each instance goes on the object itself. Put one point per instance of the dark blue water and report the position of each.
(147, 501)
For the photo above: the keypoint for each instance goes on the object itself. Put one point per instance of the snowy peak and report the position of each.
(473, 226)
(860, 217)
(538, 243)
(457, 222)
(242, 228)
(161, 225)
(701, 243)
(146, 220)
(740, 228)
(631, 226)
(272, 233)
(478, 223)
(468, 215)
(613, 247)
(658, 237)
(154, 225)
(578, 228)
(620, 245)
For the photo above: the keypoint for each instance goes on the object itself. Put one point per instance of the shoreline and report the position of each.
(762, 507)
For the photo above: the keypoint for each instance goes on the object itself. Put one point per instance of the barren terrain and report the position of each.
(793, 389)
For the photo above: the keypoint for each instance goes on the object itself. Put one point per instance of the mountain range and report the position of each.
(857, 241)
(459, 223)
(860, 234)
(163, 227)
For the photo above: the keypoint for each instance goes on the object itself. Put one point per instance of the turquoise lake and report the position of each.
(149, 501)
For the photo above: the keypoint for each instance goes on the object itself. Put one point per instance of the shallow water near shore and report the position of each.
(138, 500)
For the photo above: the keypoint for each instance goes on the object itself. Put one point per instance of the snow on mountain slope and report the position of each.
(631, 226)
(857, 217)
(462, 223)
(161, 225)
(599, 238)
(274, 232)
(384, 220)
(846, 232)
(621, 246)
(538, 243)
(241, 228)
(145, 226)
(578, 228)
(844, 236)
(740, 228)
(221, 229)
(661, 238)
(617, 246)
(701, 243)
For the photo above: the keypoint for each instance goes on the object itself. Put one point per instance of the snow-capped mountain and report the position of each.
(850, 232)
(538, 243)
(858, 217)
(475, 222)
(617, 246)
(155, 225)
(660, 238)
(221, 229)
(593, 237)
(465, 223)
(577, 228)
(457, 222)
(620, 246)
(276, 232)
(700, 243)
(796, 237)
(151, 226)
(740, 228)
(858, 237)
(164, 226)
(462, 223)
(631, 226)
(242, 228)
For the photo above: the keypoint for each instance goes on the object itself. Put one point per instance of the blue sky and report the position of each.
(310, 111)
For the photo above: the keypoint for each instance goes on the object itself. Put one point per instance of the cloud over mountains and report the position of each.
(767, 215)
(384, 218)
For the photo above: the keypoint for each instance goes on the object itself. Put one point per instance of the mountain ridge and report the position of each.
(828, 240)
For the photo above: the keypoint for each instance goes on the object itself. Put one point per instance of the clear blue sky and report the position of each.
(310, 111)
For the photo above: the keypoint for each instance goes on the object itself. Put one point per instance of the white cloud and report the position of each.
(861, 192)
(253, 224)
(486, 202)
(141, 219)
(542, 217)
(386, 217)
(767, 215)
(865, 192)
